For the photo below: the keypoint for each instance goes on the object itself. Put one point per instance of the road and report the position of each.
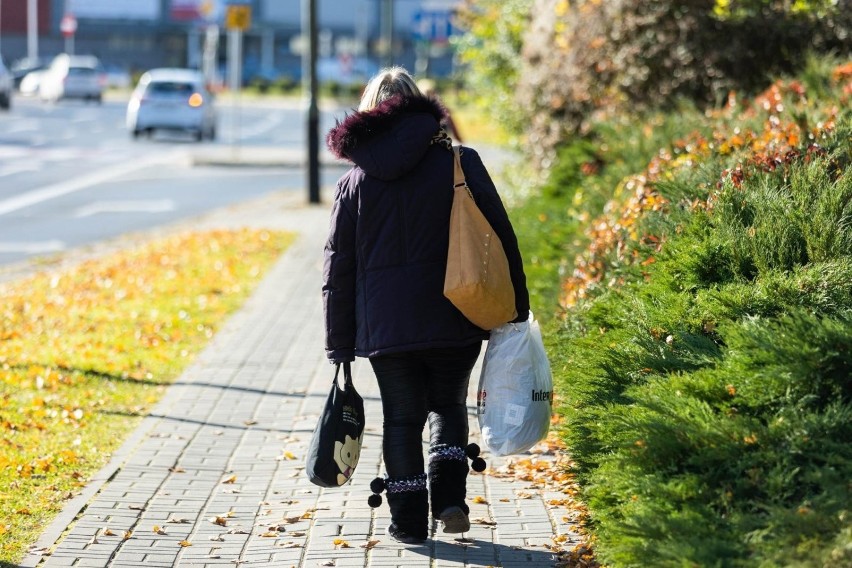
(71, 175)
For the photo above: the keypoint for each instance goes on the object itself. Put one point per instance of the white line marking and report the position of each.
(149, 206)
(33, 247)
(66, 187)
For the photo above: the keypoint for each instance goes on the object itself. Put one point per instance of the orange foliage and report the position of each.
(614, 237)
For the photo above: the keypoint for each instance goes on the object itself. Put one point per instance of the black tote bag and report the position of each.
(336, 442)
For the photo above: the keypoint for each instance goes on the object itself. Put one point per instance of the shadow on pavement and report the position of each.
(475, 552)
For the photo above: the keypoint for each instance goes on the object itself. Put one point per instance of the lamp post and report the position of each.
(387, 32)
(32, 29)
(309, 84)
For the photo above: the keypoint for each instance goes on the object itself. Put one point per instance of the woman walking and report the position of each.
(385, 261)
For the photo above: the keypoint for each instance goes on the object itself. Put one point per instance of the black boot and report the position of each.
(409, 506)
(447, 487)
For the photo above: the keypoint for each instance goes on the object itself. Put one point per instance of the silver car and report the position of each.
(6, 86)
(72, 76)
(174, 100)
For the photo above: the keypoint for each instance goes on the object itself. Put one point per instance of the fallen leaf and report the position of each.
(136, 507)
(270, 534)
(339, 542)
(481, 521)
(295, 533)
(127, 535)
(177, 469)
(232, 479)
(159, 530)
(370, 544)
(218, 538)
(177, 520)
(221, 521)
(229, 515)
(249, 422)
(185, 543)
(328, 563)
(289, 544)
(107, 532)
(480, 500)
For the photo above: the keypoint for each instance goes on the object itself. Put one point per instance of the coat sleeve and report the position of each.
(488, 200)
(338, 288)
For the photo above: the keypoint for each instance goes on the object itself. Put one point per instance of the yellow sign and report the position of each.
(238, 17)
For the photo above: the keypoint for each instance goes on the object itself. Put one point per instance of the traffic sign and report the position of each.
(433, 25)
(238, 17)
(68, 25)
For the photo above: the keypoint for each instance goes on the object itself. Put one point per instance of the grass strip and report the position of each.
(85, 353)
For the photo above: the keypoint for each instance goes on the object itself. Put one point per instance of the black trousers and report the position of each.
(419, 385)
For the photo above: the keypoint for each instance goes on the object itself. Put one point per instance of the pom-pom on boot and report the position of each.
(408, 500)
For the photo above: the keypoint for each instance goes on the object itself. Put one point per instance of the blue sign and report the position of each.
(432, 25)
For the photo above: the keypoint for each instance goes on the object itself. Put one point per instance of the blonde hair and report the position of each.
(387, 83)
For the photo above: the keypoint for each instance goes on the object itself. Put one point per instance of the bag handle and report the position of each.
(458, 172)
(347, 374)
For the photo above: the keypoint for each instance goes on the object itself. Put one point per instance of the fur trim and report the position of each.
(364, 125)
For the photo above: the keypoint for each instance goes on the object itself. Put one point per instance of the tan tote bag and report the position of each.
(477, 280)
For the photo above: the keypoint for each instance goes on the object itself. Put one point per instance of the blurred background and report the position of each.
(130, 36)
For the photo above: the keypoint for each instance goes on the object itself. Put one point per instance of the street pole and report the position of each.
(235, 75)
(32, 29)
(387, 31)
(309, 83)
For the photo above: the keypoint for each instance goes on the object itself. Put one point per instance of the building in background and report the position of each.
(140, 34)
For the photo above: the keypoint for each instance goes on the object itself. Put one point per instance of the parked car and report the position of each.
(174, 100)
(72, 77)
(6, 86)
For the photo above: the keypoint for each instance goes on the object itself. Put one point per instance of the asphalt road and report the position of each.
(71, 175)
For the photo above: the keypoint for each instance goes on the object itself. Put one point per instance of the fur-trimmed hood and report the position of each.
(390, 139)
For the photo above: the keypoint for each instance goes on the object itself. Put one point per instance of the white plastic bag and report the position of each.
(515, 389)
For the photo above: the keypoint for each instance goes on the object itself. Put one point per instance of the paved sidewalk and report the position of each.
(226, 445)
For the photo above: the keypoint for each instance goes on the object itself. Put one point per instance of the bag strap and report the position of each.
(458, 172)
(347, 373)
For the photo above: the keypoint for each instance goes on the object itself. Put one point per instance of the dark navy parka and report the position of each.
(386, 253)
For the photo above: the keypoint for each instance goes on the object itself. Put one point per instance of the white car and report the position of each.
(72, 76)
(174, 100)
(7, 83)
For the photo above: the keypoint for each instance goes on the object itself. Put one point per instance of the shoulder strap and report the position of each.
(458, 173)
